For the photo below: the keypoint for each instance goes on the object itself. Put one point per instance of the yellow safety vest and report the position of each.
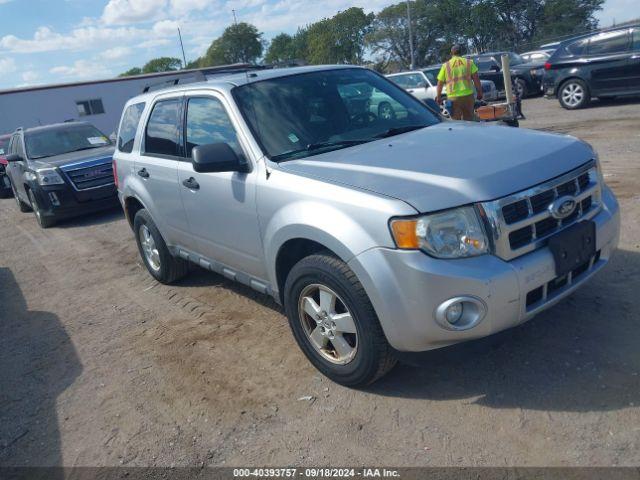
(458, 77)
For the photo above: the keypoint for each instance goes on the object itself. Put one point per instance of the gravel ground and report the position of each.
(101, 366)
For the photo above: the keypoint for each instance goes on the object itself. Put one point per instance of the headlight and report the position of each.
(48, 176)
(453, 233)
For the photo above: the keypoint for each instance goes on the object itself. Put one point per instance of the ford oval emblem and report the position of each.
(563, 207)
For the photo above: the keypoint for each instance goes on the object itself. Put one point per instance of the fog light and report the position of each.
(54, 199)
(453, 312)
(460, 313)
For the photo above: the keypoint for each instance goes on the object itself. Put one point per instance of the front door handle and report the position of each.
(143, 173)
(191, 183)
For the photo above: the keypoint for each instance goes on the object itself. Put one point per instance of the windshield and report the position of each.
(432, 75)
(301, 115)
(64, 139)
(4, 145)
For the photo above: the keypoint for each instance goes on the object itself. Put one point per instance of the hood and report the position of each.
(448, 164)
(68, 159)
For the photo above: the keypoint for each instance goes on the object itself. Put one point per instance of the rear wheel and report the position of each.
(43, 221)
(574, 94)
(163, 266)
(334, 322)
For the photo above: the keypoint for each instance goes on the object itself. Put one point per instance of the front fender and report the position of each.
(321, 223)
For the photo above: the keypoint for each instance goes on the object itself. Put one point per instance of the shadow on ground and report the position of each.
(581, 355)
(37, 363)
(97, 218)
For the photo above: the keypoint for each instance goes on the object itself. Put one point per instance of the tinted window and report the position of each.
(610, 42)
(63, 139)
(432, 75)
(327, 110)
(579, 47)
(128, 127)
(208, 122)
(161, 136)
(636, 39)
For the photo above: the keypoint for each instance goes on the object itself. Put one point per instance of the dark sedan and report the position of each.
(526, 76)
(604, 65)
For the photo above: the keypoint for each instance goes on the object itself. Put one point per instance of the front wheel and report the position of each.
(521, 87)
(23, 207)
(43, 221)
(334, 322)
(574, 94)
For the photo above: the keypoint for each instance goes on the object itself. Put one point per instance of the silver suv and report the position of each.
(376, 233)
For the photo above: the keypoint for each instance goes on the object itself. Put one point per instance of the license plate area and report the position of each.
(573, 246)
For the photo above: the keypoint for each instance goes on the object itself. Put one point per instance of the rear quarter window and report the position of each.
(578, 48)
(129, 126)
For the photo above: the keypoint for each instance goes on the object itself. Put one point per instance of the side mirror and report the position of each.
(433, 106)
(217, 157)
(13, 157)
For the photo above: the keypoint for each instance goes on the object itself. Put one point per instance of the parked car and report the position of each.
(526, 76)
(422, 83)
(604, 65)
(5, 183)
(537, 55)
(405, 233)
(60, 171)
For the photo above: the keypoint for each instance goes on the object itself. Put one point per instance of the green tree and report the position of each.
(281, 49)
(131, 71)
(389, 34)
(568, 17)
(162, 64)
(239, 43)
(339, 39)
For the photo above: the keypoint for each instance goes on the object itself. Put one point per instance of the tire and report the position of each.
(574, 94)
(369, 354)
(386, 111)
(521, 87)
(43, 221)
(160, 263)
(23, 207)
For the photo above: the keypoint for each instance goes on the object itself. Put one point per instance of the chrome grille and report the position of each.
(522, 222)
(91, 176)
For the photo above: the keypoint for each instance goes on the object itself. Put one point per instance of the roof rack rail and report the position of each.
(201, 75)
(195, 76)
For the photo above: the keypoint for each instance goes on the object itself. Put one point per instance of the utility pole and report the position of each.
(235, 20)
(184, 58)
(413, 59)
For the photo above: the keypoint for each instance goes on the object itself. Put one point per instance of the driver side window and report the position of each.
(208, 122)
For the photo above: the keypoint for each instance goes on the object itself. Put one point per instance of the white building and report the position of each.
(99, 102)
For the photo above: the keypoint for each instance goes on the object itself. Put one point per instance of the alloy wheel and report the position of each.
(34, 206)
(149, 248)
(328, 324)
(573, 94)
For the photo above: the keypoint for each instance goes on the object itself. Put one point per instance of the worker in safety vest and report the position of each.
(458, 74)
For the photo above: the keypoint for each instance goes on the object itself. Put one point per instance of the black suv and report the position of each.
(525, 76)
(604, 65)
(61, 171)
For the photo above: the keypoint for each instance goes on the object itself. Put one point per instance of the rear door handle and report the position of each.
(143, 173)
(191, 183)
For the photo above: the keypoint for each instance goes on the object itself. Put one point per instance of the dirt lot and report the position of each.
(100, 365)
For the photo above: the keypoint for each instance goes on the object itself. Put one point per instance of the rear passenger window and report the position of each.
(608, 43)
(161, 135)
(129, 126)
(579, 47)
(208, 122)
(636, 39)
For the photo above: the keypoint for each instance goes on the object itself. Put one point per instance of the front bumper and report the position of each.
(62, 201)
(406, 287)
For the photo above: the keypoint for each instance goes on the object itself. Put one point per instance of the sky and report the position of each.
(54, 41)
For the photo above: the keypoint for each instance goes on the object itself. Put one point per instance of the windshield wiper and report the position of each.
(85, 148)
(318, 146)
(398, 130)
(337, 143)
